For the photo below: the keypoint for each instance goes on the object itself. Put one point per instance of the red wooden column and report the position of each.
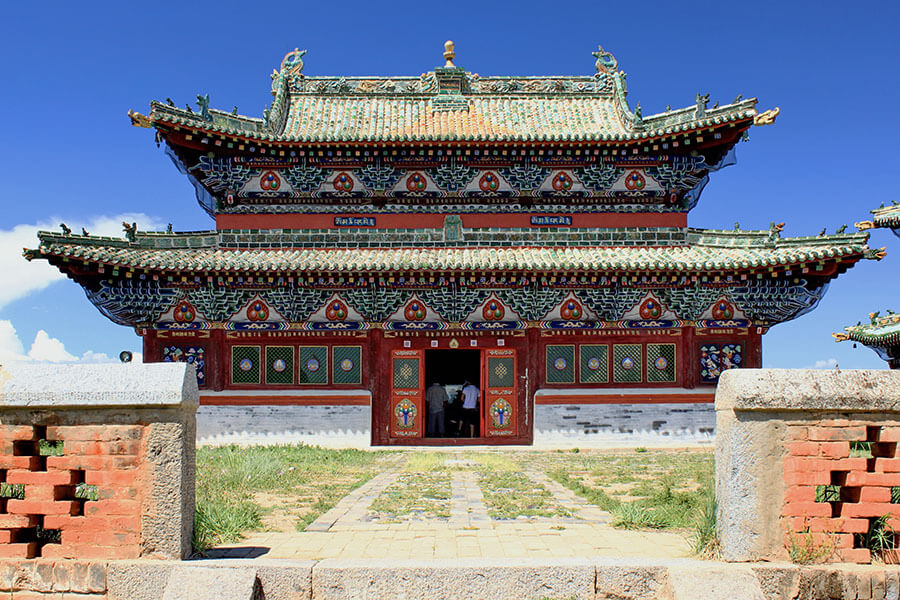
(688, 360)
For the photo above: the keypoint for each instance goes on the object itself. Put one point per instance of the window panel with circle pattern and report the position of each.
(346, 364)
(560, 364)
(661, 363)
(280, 364)
(245, 364)
(593, 363)
(313, 365)
(627, 364)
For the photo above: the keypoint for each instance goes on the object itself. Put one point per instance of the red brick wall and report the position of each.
(106, 460)
(853, 492)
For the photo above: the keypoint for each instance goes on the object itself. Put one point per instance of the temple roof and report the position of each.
(886, 216)
(707, 251)
(450, 104)
(880, 331)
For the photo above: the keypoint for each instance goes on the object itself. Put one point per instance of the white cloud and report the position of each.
(828, 363)
(21, 277)
(11, 348)
(47, 349)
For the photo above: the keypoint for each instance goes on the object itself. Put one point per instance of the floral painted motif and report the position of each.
(493, 311)
(562, 182)
(634, 181)
(258, 311)
(571, 310)
(650, 309)
(716, 358)
(337, 311)
(489, 182)
(500, 412)
(723, 310)
(416, 182)
(194, 355)
(405, 412)
(184, 312)
(343, 182)
(270, 181)
(415, 311)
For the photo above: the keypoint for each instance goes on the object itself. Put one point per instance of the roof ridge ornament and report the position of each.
(293, 61)
(449, 54)
(766, 118)
(606, 62)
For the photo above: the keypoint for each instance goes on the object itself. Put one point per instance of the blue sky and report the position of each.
(73, 70)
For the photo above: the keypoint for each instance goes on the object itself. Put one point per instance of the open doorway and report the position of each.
(451, 369)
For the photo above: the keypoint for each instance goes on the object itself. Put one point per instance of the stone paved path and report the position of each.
(346, 531)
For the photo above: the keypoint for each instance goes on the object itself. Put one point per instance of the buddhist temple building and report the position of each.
(374, 235)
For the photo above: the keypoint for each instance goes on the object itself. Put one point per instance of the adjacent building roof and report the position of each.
(707, 251)
(449, 104)
(881, 331)
(886, 216)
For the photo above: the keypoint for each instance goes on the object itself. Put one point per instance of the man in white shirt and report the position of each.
(470, 395)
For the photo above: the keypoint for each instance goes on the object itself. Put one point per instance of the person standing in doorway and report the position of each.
(436, 398)
(470, 395)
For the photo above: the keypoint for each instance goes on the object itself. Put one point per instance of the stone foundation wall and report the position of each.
(787, 479)
(329, 426)
(675, 423)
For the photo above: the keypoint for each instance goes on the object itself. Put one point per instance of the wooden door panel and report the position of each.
(407, 376)
(500, 384)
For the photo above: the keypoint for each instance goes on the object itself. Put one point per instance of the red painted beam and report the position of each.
(421, 221)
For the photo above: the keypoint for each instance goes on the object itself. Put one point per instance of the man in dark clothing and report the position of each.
(436, 398)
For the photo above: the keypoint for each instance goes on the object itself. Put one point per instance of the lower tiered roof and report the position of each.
(705, 251)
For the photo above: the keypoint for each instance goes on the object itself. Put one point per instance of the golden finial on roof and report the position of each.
(449, 54)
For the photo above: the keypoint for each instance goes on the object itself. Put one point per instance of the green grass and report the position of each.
(235, 487)
(510, 494)
(643, 488)
(420, 494)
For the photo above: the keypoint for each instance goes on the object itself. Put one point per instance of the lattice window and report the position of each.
(406, 373)
(280, 364)
(716, 358)
(347, 361)
(593, 363)
(661, 365)
(501, 372)
(627, 365)
(313, 365)
(245, 364)
(195, 355)
(560, 361)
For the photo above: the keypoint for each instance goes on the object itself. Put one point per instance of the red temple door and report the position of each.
(407, 389)
(500, 381)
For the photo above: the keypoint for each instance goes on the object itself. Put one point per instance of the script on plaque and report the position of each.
(551, 221)
(354, 221)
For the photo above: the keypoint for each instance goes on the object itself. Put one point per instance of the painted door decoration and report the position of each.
(500, 381)
(407, 385)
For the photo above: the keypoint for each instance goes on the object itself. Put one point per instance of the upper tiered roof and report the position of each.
(450, 104)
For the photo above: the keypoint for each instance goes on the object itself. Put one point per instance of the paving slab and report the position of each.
(453, 579)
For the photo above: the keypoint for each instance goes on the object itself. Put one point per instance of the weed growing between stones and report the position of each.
(807, 548)
(705, 537)
(880, 539)
(425, 495)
